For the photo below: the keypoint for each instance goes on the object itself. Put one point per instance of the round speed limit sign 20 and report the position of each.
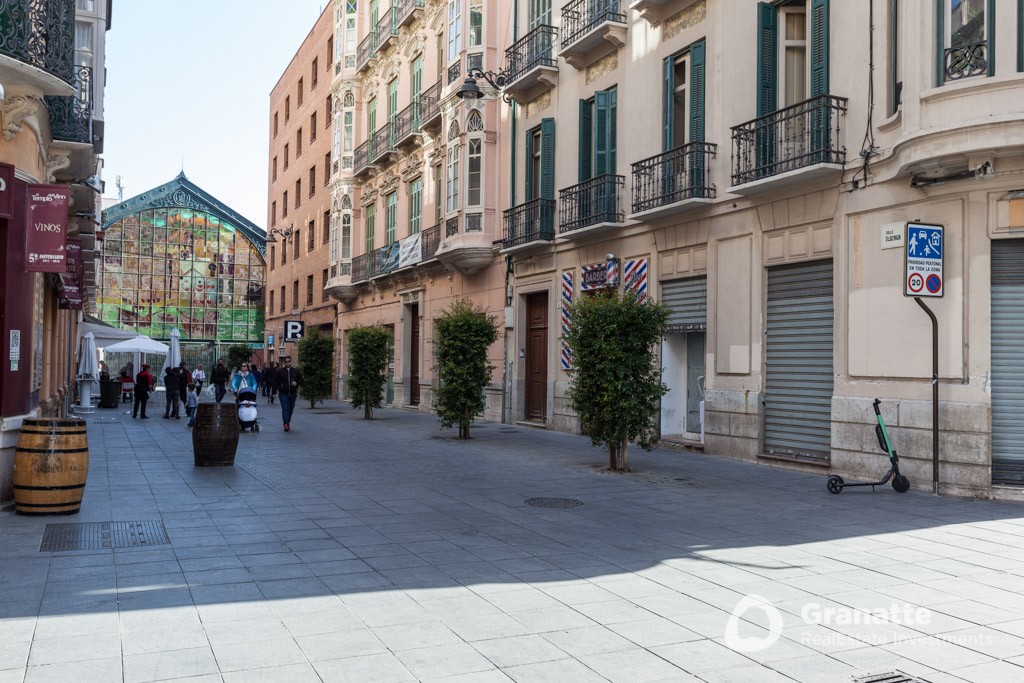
(915, 283)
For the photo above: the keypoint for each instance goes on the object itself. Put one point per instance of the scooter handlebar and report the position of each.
(877, 403)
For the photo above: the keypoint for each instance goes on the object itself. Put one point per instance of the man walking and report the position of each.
(219, 377)
(269, 381)
(143, 384)
(288, 381)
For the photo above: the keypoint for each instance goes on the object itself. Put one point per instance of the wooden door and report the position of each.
(414, 357)
(536, 356)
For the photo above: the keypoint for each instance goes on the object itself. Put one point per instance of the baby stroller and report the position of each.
(247, 416)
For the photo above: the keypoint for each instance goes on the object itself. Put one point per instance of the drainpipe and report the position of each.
(505, 402)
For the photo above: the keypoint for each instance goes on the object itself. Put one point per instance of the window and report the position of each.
(896, 57)
(350, 35)
(273, 263)
(314, 71)
(598, 131)
(683, 97)
(476, 23)
(287, 108)
(284, 260)
(391, 218)
(83, 43)
(327, 111)
(473, 170)
(540, 13)
(273, 213)
(327, 168)
(793, 66)
(295, 244)
(452, 169)
(371, 226)
(540, 166)
(415, 205)
(330, 51)
(792, 59)
(312, 180)
(282, 298)
(295, 294)
(371, 117)
(417, 82)
(275, 124)
(327, 226)
(298, 193)
(966, 34)
(346, 229)
(438, 194)
(323, 290)
(347, 132)
(298, 143)
(454, 29)
(274, 176)
(286, 156)
(312, 127)
(392, 100)
(311, 236)
(284, 205)
(334, 235)
(271, 301)
(298, 94)
(309, 290)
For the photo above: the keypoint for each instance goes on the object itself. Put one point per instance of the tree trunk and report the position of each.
(625, 455)
(612, 460)
(367, 410)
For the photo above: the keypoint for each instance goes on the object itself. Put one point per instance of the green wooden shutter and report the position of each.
(547, 158)
(1020, 35)
(697, 57)
(668, 93)
(601, 135)
(613, 129)
(819, 47)
(767, 82)
(531, 182)
(940, 42)
(990, 17)
(586, 140)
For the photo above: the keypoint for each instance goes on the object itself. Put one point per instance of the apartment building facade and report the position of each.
(748, 164)
(299, 201)
(417, 188)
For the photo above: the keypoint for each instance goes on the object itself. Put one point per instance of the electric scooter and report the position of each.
(901, 484)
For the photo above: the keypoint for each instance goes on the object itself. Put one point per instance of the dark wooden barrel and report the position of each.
(215, 434)
(51, 463)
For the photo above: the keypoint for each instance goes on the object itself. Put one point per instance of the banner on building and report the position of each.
(599, 275)
(46, 229)
(411, 251)
(6, 189)
(73, 279)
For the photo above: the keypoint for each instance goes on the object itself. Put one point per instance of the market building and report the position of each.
(52, 78)
(299, 199)
(176, 257)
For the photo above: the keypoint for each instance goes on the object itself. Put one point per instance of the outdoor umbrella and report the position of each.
(88, 370)
(174, 352)
(138, 345)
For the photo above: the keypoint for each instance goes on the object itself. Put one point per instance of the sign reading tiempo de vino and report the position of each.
(46, 229)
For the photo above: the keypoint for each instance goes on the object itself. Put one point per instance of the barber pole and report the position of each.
(567, 278)
(635, 275)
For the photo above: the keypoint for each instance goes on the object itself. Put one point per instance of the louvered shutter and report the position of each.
(547, 158)
(668, 93)
(687, 301)
(819, 47)
(697, 70)
(767, 83)
(1007, 361)
(601, 132)
(531, 182)
(586, 140)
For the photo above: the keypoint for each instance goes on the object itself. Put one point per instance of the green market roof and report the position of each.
(183, 193)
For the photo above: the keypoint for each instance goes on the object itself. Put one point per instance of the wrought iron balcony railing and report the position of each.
(429, 241)
(382, 260)
(591, 202)
(407, 123)
(387, 28)
(383, 141)
(536, 48)
(675, 175)
(359, 268)
(430, 104)
(361, 157)
(41, 34)
(529, 222)
(406, 8)
(964, 61)
(451, 226)
(454, 72)
(798, 136)
(366, 49)
(580, 17)
(71, 116)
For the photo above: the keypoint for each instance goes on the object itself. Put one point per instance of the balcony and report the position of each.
(37, 43)
(464, 251)
(366, 51)
(383, 260)
(382, 145)
(430, 107)
(654, 11)
(361, 160)
(71, 116)
(529, 223)
(667, 182)
(789, 146)
(387, 30)
(407, 126)
(408, 11)
(966, 61)
(531, 64)
(592, 205)
(454, 72)
(342, 286)
(359, 268)
(429, 241)
(591, 29)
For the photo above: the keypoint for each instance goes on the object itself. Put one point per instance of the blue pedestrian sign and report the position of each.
(923, 274)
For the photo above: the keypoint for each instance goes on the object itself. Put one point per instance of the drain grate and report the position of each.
(102, 536)
(554, 502)
(890, 677)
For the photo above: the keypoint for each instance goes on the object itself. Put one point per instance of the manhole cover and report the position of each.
(554, 502)
(103, 535)
(890, 677)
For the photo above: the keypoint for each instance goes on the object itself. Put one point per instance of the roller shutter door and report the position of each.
(687, 301)
(1008, 361)
(798, 364)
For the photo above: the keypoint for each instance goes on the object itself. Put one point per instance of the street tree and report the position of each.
(369, 349)
(615, 387)
(238, 354)
(462, 336)
(316, 361)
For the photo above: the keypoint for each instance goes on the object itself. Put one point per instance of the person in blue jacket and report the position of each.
(243, 378)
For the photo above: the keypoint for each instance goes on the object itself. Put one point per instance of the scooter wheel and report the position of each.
(834, 484)
(900, 483)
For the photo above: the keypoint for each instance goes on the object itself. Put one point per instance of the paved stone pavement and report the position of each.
(386, 550)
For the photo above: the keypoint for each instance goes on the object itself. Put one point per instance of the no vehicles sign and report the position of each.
(923, 274)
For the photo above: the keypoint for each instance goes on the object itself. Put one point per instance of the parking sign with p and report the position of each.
(294, 330)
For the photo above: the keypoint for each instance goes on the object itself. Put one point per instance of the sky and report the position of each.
(188, 88)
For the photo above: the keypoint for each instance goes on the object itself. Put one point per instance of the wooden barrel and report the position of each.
(51, 463)
(215, 434)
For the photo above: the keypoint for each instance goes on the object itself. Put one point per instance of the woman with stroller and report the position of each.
(244, 387)
(242, 379)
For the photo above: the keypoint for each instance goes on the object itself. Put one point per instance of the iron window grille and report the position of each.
(71, 116)
(451, 226)
(41, 34)
(454, 72)
(966, 61)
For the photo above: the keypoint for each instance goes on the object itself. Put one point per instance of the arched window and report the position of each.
(475, 122)
(453, 131)
(350, 99)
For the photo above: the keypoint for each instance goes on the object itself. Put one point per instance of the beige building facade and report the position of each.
(299, 200)
(417, 179)
(748, 164)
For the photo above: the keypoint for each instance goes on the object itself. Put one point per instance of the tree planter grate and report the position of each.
(102, 536)
(562, 503)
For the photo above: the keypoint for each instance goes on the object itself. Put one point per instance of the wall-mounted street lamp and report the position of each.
(285, 234)
(471, 91)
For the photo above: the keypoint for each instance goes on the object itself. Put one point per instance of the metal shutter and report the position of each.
(798, 363)
(1008, 361)
(687, 301)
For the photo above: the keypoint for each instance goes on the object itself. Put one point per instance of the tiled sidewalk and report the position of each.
(349, 550)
